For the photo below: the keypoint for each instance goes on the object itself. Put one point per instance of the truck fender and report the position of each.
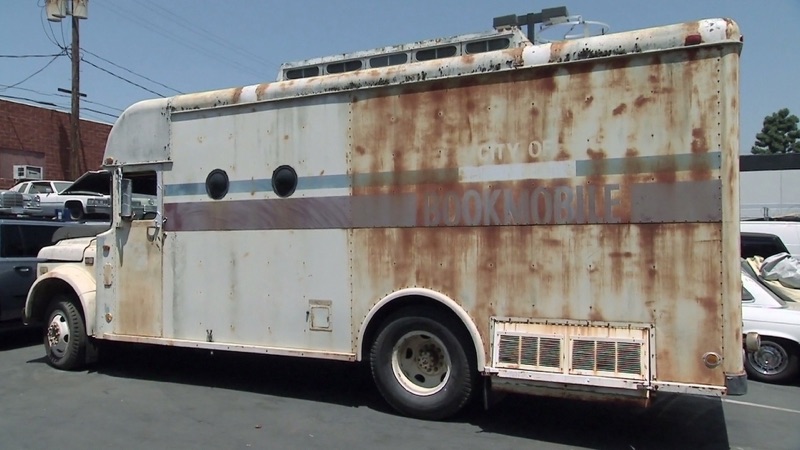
(477, 341)
(79, 280)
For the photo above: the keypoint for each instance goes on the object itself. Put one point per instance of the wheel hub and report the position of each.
(420, 363)
(429, 359)
(770, 360)
(58, 335)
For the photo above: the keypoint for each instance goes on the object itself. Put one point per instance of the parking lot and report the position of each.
(169, 398)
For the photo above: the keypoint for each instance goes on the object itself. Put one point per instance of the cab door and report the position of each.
(138, 247)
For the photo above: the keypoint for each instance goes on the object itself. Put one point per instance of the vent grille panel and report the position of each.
(578, 350)
(533, 351)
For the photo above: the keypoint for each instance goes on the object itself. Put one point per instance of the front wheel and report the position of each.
(75, 210)
(421, 366)
(776, 361)
(65, 335)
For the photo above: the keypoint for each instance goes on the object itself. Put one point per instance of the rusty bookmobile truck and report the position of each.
(557, 219)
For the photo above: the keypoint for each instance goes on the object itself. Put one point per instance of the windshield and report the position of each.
(61, 185)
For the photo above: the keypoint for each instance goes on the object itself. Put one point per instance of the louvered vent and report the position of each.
(573, 349)
(532, 351)
(606, 356)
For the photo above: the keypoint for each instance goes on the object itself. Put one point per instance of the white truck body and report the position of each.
(571, 208)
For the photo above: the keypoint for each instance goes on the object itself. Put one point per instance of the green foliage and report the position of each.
(779, 135)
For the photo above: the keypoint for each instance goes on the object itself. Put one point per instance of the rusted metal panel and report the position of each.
(652, 255)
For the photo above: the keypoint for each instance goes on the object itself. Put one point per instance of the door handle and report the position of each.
(22, 269)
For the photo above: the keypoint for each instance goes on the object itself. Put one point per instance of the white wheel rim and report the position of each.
(58, 335)
(420, 363)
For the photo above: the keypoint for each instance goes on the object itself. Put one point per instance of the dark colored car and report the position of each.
(20, 242)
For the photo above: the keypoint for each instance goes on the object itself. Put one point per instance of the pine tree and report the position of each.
(779, 135)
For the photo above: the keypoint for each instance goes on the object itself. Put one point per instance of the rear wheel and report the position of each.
(65, 339)
(421, 365)
(776, 361)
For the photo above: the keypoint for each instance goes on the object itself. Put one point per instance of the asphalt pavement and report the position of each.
(155, 397)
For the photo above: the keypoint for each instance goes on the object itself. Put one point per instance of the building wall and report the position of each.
(40, 137)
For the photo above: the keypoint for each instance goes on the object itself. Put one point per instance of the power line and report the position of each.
(88, 101)
(99, 112)
(49, 37)
(129, 15)
(33, 56)
(54, 105)
(130, 71)
(203, 32)
(14, 97)
(32, 75)
(120, 77)
(49, 94)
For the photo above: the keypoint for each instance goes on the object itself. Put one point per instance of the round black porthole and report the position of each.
(284, 181)
(217, 184)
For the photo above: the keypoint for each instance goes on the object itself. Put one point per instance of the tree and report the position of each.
(779, 135)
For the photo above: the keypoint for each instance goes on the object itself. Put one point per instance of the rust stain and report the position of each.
(237, 93)
(699, 143)
(620, 109)
(642, 100)
(261, 90)
(556, 50)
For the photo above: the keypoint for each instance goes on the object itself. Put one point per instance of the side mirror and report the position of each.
(126, 207)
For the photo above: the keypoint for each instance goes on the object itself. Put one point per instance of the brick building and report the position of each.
(40, 137)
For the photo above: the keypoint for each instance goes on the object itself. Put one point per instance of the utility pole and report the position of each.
(76, 152)
(78, 9)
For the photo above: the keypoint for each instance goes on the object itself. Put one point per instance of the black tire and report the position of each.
(75, 210)
(65, 339)
(434, 373)
(776, 361)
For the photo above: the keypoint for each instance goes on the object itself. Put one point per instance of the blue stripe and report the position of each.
(324, 182)
(649, 164)
(584, 168)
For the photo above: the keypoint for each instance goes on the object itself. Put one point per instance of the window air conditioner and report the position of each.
(28, 172)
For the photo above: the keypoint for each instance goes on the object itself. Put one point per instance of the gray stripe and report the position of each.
(368, 211)
(689, 201)
(408, 177)
(649, 164)
(383, 211)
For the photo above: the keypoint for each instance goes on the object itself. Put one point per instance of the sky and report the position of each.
(139, 49)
